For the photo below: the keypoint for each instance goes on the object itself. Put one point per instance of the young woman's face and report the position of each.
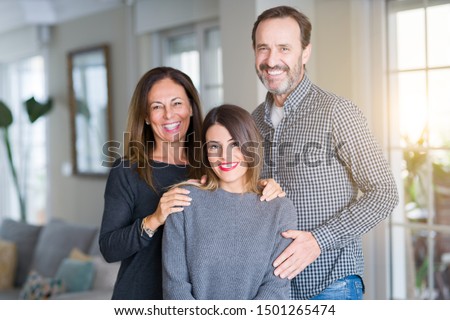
(168, 111)
(226, 159)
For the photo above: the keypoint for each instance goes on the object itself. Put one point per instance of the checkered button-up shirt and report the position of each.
(326, 159)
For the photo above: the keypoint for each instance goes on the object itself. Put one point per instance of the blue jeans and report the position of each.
(348, 288)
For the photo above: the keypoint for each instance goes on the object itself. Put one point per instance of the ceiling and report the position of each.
(20, 13)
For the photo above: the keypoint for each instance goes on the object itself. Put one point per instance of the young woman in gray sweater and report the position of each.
(224, 244)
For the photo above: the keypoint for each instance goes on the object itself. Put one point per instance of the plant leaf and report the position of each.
(36, 109)
(6, 117)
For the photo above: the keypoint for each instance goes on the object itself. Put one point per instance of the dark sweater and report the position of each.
(128, 199)
(223, 245)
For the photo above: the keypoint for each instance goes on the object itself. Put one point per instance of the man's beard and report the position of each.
(287, 85)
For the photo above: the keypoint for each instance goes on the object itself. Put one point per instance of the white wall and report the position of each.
(239, 79)
(154, 15)
(81, 198)
(19, 43)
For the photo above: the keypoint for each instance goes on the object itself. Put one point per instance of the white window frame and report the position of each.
(401, 287)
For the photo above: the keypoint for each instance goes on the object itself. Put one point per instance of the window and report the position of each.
(20, 81)
(196, 50)
(419, 76)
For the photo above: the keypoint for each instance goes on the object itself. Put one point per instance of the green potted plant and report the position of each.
(35, 110)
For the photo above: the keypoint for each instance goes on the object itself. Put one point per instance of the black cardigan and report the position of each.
(128, 199)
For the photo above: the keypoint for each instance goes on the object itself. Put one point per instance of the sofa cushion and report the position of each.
(8, 262)
(86, 295)
(95, 247)
(76, 275)
(55, 243)
(38, 287)
(10, 294)
(25, 237)
(105, 273)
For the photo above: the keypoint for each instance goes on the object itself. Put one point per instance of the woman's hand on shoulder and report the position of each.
(271, 190)
(172, 201)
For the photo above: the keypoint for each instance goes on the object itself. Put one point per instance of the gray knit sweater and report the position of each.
(223, 245)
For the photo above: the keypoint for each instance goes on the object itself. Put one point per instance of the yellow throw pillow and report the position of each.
(77, 254)
(8, 263)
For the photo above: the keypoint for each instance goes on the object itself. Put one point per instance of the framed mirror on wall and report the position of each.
(90, 109)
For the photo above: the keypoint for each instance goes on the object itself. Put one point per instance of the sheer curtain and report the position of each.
(19, 81)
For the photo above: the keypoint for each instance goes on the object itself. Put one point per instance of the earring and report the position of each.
(146, 122)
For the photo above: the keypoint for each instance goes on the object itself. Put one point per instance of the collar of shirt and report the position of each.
(293, 101)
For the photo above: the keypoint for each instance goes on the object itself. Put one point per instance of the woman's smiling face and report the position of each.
(226, 159)
(168, 111)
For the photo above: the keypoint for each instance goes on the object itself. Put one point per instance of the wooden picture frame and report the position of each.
(89, 79)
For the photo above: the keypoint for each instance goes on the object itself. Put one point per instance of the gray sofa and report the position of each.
(60, 260)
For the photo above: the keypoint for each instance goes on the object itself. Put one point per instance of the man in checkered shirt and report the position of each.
(319, 148)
